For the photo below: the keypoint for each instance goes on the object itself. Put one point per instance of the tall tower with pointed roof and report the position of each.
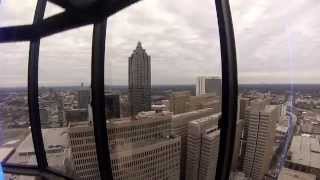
(139, 81)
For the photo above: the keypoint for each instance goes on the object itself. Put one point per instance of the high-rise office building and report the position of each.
(236, 158)
(209, 154)
(180, 128)
(44, 117)
(259, 145)
(209, 84)
(112, 105)
(243, 106)
(83, 97)
(256, 104)
(244, 103)
(76, 115)
(195, 145)
(139, 81)
(139, 149)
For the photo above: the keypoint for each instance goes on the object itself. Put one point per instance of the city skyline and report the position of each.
(272, 38)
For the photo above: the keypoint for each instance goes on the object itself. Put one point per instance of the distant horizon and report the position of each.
(119, 85)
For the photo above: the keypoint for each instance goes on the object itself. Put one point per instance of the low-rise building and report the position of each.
(57, 151)
(289, 174)
(304, 154)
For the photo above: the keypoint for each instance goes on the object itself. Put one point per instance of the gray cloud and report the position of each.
(277, 42)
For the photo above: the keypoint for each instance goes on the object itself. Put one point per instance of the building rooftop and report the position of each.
(212, 132)
(204, 119)
(305, 150)
(192, 112)
(55, 143)
(54, 139)
(5, 153)
(140, 118)
(289, 174)
(281, 129)
(270, 108)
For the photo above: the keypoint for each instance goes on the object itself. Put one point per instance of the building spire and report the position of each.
(139, 46)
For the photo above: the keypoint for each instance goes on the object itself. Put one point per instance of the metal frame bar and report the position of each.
(229, 89)
(62, 3)
(98, 105)
(63, 21)
(96, 13)
(33, 103)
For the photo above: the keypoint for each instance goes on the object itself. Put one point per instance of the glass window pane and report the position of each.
(64, 92)
(15, 137)
(153, 63)
(13, 12)
(279, 91)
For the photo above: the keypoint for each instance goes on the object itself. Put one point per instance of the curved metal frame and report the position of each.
(33, 101)
(229, 89)
(98, 105)
(96, 13)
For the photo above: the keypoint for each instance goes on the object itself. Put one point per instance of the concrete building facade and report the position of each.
(140, 149)
(195, 145)
(180, 128)
(209, 154)
(261, 132)
(208, 84)
(178, 102)
(182, 102)
(236, 158)
(139, 81)
(83, 97)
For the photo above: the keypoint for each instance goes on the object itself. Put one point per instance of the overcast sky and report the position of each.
(277, 42)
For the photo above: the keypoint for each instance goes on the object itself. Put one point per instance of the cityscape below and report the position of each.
(168, 132)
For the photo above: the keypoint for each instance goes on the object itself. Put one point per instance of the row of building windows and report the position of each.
(81, 134)
(133, 128)
(84, 154)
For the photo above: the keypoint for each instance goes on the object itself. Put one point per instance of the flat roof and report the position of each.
(142, 117)
(289, 174)
(52, 138)
(306, 151)
(192, 112)
(55, 143)
(282, 129)
(5, 153)
(206, 118)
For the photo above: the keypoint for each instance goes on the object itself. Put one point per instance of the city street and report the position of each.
(285, 145)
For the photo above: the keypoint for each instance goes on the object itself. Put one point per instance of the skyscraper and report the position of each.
(83, 97)
(139, 81)
(196, 159)
(209, 154)
(180, 128)
(261, 132)
(208, 84)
